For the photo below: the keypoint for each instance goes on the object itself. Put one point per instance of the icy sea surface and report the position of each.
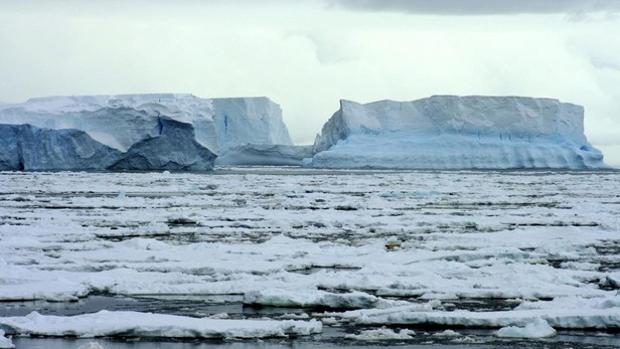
(318, 259)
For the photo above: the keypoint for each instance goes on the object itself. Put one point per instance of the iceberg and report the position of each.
(120, 121)
(174, 148)
(452, 132)
(265, 155)
(29, 148)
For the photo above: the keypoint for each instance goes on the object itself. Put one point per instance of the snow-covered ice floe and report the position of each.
(317, 298)
(135, 324)
(451, 132)
(530, 245)
(538, 328)
(566, 313)
(382, 334)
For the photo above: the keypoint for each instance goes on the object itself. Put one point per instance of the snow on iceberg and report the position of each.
(174, 148)
(119, 121)
(135, 324)
(28, 148)
(451, 132)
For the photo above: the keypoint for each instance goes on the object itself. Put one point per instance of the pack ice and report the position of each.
(452, 132)
(122, 121)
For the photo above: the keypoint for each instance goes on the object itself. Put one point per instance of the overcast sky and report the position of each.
(308, 54)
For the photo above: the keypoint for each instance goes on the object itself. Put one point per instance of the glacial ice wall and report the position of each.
(119, 121)
(456, 132)
(174, 148)
(265, 155)
(29, 148)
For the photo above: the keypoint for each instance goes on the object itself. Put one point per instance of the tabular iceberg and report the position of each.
(29, 148)
(196, 129)
(452, 132)
(119, 121)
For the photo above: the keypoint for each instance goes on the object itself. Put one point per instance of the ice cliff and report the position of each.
(29, 148)
(265, 155)
(120, 121)
(174, 148)
(451, 132)
(195, 129)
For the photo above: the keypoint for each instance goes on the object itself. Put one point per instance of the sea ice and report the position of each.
(382, 334)
(319, 240)
(5, 343)
(317, 298)
(538, 328)
(135, 324)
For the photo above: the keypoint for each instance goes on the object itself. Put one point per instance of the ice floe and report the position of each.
(5, 343)
(382, 334)
(135, 324)
(317, 298)
(538, 328)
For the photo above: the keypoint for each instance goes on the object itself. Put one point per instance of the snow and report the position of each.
(120, 121)
(538, 328)
(450, 132)
(5, 343)
(540, 244)
(134, 324)
(382, 334)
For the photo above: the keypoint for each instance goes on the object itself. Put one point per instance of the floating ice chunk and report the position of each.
(59, 290)
(558, 317)
(381, 334)
(538, 328)
(135, 324)
(91, 345)
(317, 298)
(447, 333)
(5, 343)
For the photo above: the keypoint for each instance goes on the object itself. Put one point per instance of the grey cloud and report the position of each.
(481, 7)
